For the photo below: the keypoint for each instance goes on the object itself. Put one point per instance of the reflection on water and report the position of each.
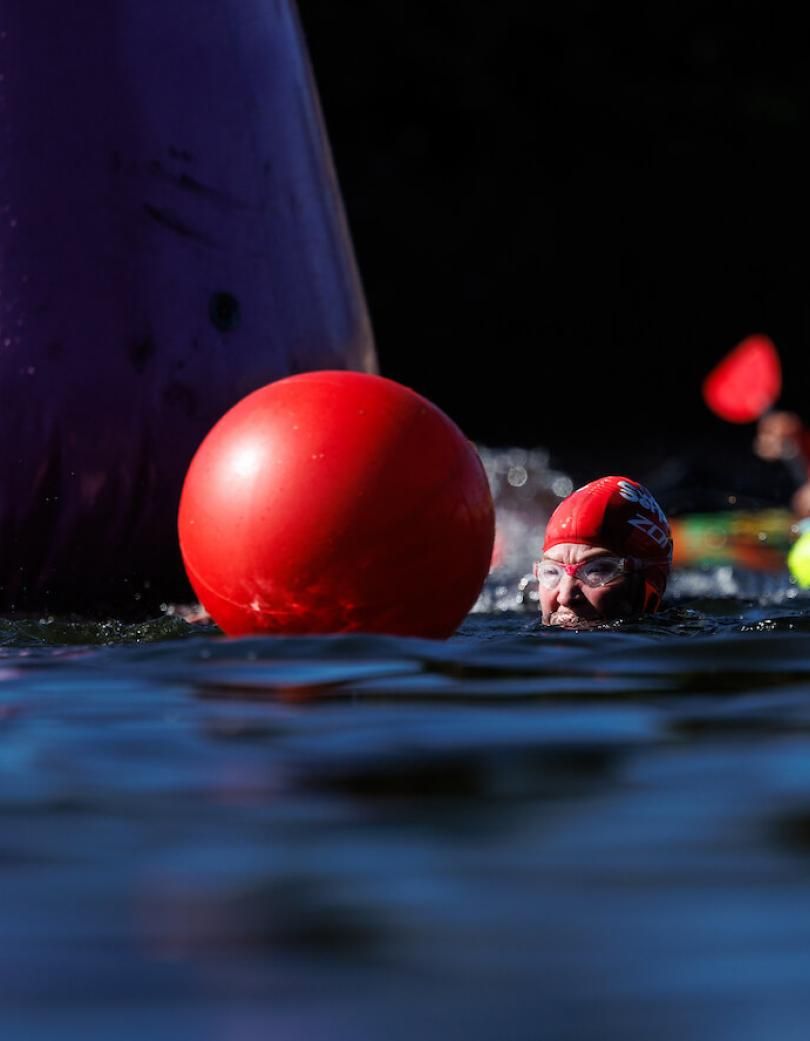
(517, 833)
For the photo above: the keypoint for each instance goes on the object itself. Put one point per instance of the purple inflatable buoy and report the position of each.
(171, 238)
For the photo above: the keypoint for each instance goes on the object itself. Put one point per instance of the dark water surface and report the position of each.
(519, 833)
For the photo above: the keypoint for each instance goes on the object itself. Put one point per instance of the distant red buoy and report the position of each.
(336, 502)
(746, 383)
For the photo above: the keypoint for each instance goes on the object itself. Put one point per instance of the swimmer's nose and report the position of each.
(569, 591)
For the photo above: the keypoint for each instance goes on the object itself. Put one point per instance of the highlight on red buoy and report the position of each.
(336, 502)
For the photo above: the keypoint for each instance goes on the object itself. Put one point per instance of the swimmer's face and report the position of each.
(573, 603)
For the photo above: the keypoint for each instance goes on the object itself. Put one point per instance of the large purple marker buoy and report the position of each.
(171, 238)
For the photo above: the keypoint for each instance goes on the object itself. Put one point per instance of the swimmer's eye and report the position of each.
(601, 571)
(548, 574)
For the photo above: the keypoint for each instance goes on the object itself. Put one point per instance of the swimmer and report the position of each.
(607, 554)
(783, 436)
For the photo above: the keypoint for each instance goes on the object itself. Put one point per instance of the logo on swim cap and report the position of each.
(637, 493)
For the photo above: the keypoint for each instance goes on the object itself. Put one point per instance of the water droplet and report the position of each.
(562, 486)
(517, 476)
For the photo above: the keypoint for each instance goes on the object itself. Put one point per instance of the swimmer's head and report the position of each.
(607, 553)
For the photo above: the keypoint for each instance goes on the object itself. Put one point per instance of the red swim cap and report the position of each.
(622, 516)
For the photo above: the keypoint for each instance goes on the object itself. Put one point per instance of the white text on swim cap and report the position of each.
(639, 494)
(650, 528)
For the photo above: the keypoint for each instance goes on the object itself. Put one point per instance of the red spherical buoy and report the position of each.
(336, 502)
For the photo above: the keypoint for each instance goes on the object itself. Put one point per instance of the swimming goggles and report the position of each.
(599, 571)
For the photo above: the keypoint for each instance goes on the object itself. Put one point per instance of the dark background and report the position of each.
(565, 215)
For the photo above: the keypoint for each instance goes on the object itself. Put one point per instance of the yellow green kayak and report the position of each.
(756, 539)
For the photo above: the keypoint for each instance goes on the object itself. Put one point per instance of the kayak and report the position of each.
(172, 237)
(755, 539)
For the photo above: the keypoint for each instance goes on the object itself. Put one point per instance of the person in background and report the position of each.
(607, 555)
(783, 436)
